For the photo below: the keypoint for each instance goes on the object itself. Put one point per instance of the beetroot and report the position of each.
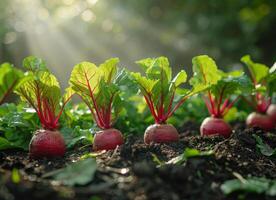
(46, 143)
(163, 96)
(41, 90)
(260, 100)
(99, 89)
(107, 139)
(161, 133)
(215, 126)
(259, 120)
(271, 111)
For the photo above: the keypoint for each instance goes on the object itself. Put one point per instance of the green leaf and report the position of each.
(79, 173)
(83, 76)
(41, 90)
(157, 68)
(109, 69)
(34, 64)
(271, 80)
(205, 71)
(250, 185)
(9, 78)
(264, 148)
(231, 115)
(156, 160)
(15, 176)
(158, 89)
(99, 89)
(43, 85)
(76, 135)
(5, 144)
(125, 82)
(146, 84)
(189, 153)
(16, 126)
(232, 83)
(179, 79)
(69, 92)
(258, 71)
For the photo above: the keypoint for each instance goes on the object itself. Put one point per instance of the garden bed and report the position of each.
(138, 171)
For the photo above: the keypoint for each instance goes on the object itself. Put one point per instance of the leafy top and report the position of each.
(34, 64)
(41, 90)
(264, 80)
(98, 88)
(9, 78)
(159, 89)
(205, 70)
(220, 86)
(258, 71)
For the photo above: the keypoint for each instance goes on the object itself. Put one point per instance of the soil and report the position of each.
(130, 172)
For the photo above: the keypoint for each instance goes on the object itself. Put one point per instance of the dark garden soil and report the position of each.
(130, 172)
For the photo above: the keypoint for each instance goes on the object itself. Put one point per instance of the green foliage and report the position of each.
(43, 83)
(41, 90)
(264, 148)
(77, 135)
(264, 81)
(262, 76)
(189, 153)
(34, 64)
(159, 89)
(205, 70)
(15, 177)
(79, 173)
(232, 83)
(18, 123)
(134, 115)
(193, 110)
(9, 78)
(108, 92)
(257, 71)
(235, 114)
(271, 80)
(207, 74)
(99, 89)
(250, 185)
(219, 86)
(16, 126)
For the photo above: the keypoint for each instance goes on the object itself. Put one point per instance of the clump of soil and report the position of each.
(130, 171)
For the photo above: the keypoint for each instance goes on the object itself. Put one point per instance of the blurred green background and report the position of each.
(65, 32)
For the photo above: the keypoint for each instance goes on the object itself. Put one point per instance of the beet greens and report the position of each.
(220, 86)
(9, 78)
(98, 88)
(41, 90)
(264, 81)
(160, 90)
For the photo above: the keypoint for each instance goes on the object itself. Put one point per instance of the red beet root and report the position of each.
(46, 143)
(271, 111)
(107, 139)
(215, 126)
(262, 121)
(161, 133)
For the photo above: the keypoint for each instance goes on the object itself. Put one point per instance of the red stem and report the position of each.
(219, 113)
(170, 104)
(230, 105)
(212, 103)
(99, 116)
(176, 107)
(149, 102)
